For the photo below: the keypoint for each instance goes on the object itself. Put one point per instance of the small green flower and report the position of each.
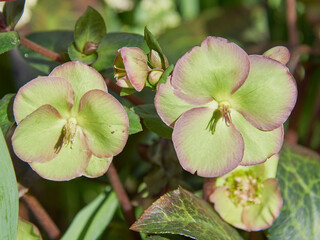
(226, 108)
(249, 197)
(68, 125)
(131, 68)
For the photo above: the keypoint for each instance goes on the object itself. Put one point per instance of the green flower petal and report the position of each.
(97, 166)
(261, 216)
(202, 151)
(169, 106)
(258, 145)
(213, 71)
(268, 96)
(226, 208)
(82, 78)
(135, 63)
(70, 163)
(43, 90)
(104, 123)
(36, 137)
(279, 53)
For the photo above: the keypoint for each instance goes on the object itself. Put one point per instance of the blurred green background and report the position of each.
(256, 25)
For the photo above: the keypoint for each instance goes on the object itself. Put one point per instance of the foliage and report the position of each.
(187, 95)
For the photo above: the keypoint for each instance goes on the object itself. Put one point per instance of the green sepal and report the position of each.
(90, 27)
(152, 120)
(27, 231)
(12, 12)
(153, 44)
(76, 55)
(6, 112)
(134, 121)
(127, 91)
(8, 40)
(166, 74)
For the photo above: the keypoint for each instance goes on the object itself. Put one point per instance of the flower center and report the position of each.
(69, 131)
(224, 108)
(244, 188)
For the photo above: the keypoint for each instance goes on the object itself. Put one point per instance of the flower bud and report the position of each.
(155, 60)
(131, 68)
(154, 76)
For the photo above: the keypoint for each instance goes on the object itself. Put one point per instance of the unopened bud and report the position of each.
(90, 47)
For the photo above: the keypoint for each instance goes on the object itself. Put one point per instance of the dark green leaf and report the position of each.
(57, 41)
(180, 212)
(12, 12)
(166, 237)
(27, 231)
(8, 40)
(6, 112)
(75, 55)
(153, 44)
(166, 74)
(298, 176)
(9, 199)
(90, 27)
(134, 121)
(92, 220)
(109, 45)
(152, 120)
(127, 91)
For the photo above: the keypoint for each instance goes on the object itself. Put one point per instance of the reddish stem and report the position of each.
(42, 216)
(292, 22)
(123, 198)
(41, 50)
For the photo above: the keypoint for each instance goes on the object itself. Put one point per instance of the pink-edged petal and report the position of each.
(268, 96)
(82, 78)
(97, 166)
(135, 62)
(279, 53)
(124, 82)
(70, 163)
(37, 136)
(258, 144)
(40, 91)
(104, 123)
(226, 208)
(169, 106)
(261, 216)
(201, 150)
(213, 71)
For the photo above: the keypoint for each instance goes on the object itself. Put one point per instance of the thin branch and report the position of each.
(42, 216)
(208, 188)
(41, 50)
(127, 208)
(292, 22)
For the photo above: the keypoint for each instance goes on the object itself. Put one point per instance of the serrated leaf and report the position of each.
(75, 55)
(12, 12)
(134, 121)
(152, 120)
(109, 45)
(153, 44)
(57, 41)
(299, 182)
(180, 212)
(27, 231)
(92, 220)
(9, 199)
(90, 27)
(166, 74)
(6, 112)
(8, 40)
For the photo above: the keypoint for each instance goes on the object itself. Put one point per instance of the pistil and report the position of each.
(224, 108)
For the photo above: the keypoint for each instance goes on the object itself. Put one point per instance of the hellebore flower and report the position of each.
(249, 197)
(226, 108)
(68, 125)
(131, 68)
